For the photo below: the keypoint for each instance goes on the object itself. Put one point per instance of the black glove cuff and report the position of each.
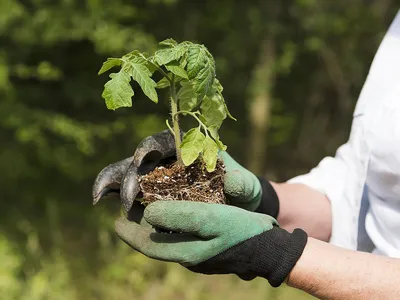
(276, 253)
(269, 203)
(271, 255)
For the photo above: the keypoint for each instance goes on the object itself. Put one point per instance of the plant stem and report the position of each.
(158, 69)
(175, 121)
(163, 73)
(194, 116)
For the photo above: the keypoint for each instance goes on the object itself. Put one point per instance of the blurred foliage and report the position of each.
(57, 133)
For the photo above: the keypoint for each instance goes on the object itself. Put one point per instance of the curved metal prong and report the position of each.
(108, 181)
(148, 155)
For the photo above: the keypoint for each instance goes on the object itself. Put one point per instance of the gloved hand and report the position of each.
(245, 190)
(215, 239)
(241, 187)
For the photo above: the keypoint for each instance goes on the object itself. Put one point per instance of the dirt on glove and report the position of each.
(177, 182)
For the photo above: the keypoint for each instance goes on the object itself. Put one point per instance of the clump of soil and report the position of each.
(177, 182)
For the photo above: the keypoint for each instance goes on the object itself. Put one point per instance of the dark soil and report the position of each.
(176, 182)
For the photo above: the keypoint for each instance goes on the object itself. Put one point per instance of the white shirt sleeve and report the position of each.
(342, 177)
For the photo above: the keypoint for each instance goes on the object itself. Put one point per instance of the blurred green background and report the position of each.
(292, 72)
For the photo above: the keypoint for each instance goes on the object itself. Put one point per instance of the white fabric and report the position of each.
(362, 181)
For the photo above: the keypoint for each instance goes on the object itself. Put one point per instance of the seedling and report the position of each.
(188, 71)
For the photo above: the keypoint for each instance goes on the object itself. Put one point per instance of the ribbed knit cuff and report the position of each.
(269, 203)
(276, 253)
(271, 255)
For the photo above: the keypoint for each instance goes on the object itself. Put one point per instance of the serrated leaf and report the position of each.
(221, 145)
(185, 44)
(210, 153)
(200, 69)
(204, 80)
(150, 64)
(168, 43)
(217, 89)
(213, 110)
(187, 97)
(213, 130)
(183, 61)
(163, 83)
(226, 107)
(192, 145)
(175, 68)
(196, 60)
(165, 56)
(137, 68)
(217, 86)
(117, 91)
(228, 113)
(135, 54)
(109, 63)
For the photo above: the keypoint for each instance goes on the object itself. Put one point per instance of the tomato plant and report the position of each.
(188, 70)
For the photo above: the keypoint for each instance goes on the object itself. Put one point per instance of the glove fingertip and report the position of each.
(154, 213)
(234, 184)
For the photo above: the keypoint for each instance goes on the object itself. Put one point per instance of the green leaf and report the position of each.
(175, 68)
(165, 56)
(151, 65)
(204, 80)
(136, 67)
(135, 54)
(228, 113)
(210, 153)
(186, 44)
(183, 62)
(221, 145)
(192, 145)
(213, 110)
(110, 63)
(217, 85)
(168, 43)
(117, 91)
(163, 83)
(200, 69)
(187, 97)
(201, 118)
(213, 130)
(196, 60)
(217, 88)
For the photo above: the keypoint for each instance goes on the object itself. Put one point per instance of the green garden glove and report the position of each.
(246, 190)
(214, 239)
(242, 188)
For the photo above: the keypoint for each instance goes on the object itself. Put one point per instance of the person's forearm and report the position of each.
(303, 207)
(330, 272)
